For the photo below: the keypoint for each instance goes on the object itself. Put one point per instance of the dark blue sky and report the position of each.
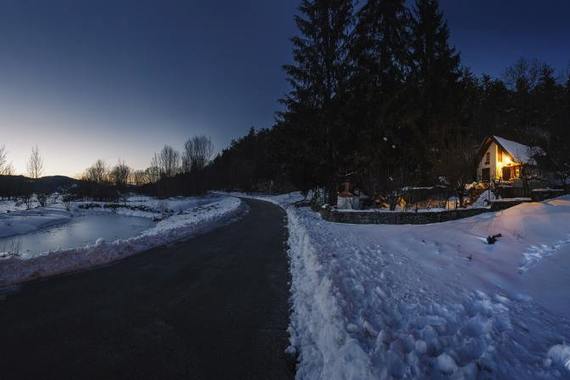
(118, 79)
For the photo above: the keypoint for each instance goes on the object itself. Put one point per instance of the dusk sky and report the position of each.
(119, 79)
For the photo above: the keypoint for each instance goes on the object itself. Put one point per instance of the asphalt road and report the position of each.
(213, 307)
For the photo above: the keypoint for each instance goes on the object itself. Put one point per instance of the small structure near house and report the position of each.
(347, 199)
(503, 160)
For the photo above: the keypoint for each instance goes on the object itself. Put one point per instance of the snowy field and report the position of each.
(169, 220)
(432, 301)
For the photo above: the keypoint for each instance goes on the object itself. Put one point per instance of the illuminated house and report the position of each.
(502, 160)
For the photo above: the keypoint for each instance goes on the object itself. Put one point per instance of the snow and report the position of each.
(509, 200)
(483, 200)
(559, 355)
(26, 221)
(431, 301)
(446, 364)
(520, 153)
(15, 219)
(205, 214)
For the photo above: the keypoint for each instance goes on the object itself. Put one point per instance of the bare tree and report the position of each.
(153, 171)
(97, 173)
(169, 161)
(197, 152)
(3, 159)
(35, 164)
(8, 170)
(5, 167)
(119, 175)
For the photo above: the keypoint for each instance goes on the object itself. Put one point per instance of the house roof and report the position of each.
(519, 152)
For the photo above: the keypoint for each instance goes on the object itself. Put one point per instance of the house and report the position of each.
(503, 160)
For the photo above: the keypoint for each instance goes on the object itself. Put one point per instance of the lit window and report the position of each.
(500, 155)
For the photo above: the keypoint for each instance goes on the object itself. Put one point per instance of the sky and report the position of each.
(118, 79)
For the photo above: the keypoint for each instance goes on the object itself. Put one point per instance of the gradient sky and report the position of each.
(119, 79)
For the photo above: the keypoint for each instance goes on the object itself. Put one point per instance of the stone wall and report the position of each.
(362, 217)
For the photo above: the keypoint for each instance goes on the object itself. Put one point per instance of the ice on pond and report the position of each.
(78, 232)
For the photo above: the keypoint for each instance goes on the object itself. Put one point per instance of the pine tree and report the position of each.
(380, 103)
(436, 75)
(318, 79)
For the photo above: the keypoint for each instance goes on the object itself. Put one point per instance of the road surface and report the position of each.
(214, 307)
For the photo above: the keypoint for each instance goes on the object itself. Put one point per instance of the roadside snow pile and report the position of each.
(318, 334)
(180, 226)
(283, 200)
(431, 301)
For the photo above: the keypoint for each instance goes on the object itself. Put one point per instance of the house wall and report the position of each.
(492, 163)
(495, 166)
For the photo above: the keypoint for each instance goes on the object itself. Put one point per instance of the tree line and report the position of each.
(379, 95)
(170, 173)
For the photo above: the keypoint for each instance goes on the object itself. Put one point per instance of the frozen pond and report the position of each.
(80, 231)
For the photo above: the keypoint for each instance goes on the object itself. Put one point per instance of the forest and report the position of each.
(379, 95)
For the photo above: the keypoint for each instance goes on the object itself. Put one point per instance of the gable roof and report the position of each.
(519, 152)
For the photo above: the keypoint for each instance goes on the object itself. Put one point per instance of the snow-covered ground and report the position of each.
(432, 301)
(177, 218)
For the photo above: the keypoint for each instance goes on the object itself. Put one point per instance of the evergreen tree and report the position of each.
(436, 75)
(521, 79)
(380, 92)
(318, 79)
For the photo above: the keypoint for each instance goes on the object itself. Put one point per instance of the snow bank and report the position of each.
(180, 226)
(282, 200)
(144, 206)
(317, 329)
(430, 301)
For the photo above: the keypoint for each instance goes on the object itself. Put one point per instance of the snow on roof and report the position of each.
(521, 153)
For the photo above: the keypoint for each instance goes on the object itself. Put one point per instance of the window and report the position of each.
(486, 174)
(487, 158)
(500, 155)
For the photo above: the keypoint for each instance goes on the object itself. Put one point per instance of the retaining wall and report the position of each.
(362, 217)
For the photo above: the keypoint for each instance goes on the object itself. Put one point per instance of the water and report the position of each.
(80, 231)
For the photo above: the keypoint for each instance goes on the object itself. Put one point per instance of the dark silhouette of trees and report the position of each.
(319, 80)
(120, 174)
(378, 94)
(197, 152)
(97, 173)
(168, 162)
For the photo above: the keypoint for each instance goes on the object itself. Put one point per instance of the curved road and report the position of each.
(214, 307)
